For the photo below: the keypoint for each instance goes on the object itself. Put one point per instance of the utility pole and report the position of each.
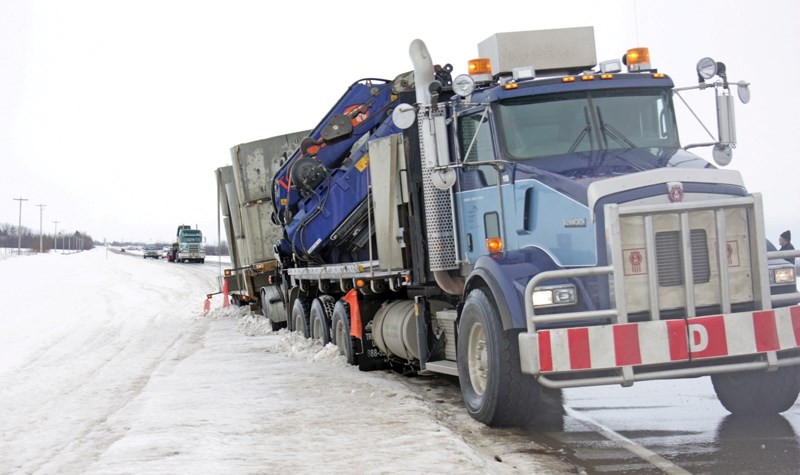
(19, 227)
(55, 236)
(41, 209)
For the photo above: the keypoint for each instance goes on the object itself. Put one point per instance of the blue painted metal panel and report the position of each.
(374, 97)
(541, 218)
(333, 202)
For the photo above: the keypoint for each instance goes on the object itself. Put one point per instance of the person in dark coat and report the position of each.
(786, 243)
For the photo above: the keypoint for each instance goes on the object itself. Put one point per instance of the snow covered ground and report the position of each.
(108, 365)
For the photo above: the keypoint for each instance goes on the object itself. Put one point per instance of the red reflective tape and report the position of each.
(796, 323)
(545, 352)
(766, 331)
(284, 182)
(678, 342)
(626, 344)
(707, 338)
(579, 357)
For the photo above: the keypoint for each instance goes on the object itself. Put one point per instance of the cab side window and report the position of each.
(475, 140)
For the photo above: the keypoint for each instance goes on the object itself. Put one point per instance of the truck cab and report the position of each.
(191, 247)
(581, 222)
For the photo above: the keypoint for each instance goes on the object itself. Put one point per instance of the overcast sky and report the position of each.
(116, 114)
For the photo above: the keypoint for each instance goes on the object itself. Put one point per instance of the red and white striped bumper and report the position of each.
(659, 342)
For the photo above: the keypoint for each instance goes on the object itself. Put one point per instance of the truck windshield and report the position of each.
(191, 237)
(555, 124)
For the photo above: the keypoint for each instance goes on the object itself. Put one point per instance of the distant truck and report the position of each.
(189, 245)
(245, 203)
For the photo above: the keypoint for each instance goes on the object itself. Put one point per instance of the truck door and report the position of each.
(478, 199)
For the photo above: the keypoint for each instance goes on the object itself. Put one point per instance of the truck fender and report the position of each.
(506, 278)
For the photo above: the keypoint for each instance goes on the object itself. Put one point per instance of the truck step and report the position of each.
(442, 366)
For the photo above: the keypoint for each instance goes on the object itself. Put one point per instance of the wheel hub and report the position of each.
(478, 358)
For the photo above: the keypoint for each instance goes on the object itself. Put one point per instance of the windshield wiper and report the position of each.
(587, 129)
(609, 131)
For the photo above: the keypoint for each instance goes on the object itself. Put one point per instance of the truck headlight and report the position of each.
(463, 85)
(554, 296)
(782, 276)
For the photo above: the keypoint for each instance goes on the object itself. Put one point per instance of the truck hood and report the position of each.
(571, 174)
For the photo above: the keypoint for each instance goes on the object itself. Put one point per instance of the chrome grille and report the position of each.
(669, 259)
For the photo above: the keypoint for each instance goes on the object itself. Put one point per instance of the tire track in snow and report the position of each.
(75, 385)
(104, 429)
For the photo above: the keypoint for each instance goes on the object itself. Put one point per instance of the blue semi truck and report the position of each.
(534, 225)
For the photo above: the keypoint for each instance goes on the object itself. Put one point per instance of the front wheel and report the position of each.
(758, 393)
(492, 384)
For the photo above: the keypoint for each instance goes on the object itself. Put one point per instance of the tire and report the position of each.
(300, 311)
(320, 328)
(758, 393)
(340, 331)
(494, 389)
(272, 310)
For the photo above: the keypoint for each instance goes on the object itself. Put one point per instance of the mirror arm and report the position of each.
(707, 144)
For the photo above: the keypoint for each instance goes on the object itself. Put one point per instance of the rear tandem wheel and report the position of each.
(340, 331)
(299, 317)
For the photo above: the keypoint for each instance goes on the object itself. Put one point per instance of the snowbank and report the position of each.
(108, 365)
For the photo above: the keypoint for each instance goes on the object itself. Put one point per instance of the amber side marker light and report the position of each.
(494, 244)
